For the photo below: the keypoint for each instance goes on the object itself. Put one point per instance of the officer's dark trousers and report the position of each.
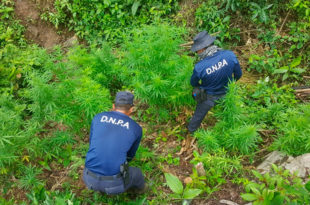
(116, 185)
(202, 109)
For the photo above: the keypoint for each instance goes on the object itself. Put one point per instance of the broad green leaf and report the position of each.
(267, 7)
(191, 193)
(135, 7)
(249, 197)
(281, 70)
(226, 19)
(257, 174)
(285, 76)
(256, 191)
(307, 185)
(296, 62)
(174, 183)
(278, 199)
(298, 70)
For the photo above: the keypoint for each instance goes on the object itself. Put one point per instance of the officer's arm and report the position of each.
(132, 152)
(195, 79)
(237, 70)
(91, 132)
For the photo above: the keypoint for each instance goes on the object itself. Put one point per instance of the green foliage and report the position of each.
(44, 197)
(29, 178)
(303, 9)
(177, 187)
(10, 29)
(293, 128)
(267, 94)
(259, 12)
(99, 63)
(152, 67)
(282, 56)
(233, 5)
(64, 94)
(110, 19)
(219, 168)
(280, 187)
(235, 132)
(211, 18)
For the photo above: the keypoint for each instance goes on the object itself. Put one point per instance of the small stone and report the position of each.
(223, 201)
(71, 41)
(301, 164)
(272, 158)
(200, 169)
(188, 180)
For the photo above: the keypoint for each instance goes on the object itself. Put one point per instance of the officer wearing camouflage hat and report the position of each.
(215, 70)
(114, 140)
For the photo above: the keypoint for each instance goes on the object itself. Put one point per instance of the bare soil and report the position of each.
(38, 31)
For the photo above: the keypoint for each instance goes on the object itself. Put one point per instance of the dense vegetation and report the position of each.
(48, 98)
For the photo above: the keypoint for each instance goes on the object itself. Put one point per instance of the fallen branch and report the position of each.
(187, 44)
(307, 90)
(284, 22)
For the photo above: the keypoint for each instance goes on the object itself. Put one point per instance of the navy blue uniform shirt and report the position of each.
(114, 137)
(216, 71)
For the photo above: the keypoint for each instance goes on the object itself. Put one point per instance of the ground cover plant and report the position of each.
(107, 19)
(49, 96)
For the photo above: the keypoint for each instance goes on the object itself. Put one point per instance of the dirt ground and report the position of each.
(37, 30)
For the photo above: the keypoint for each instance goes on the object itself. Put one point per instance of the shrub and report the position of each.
(279, 187)
(152, 67)
(98, 63)
(219, 168)
(111, 19)
(234, 131)
(293, 131)
(63, 93)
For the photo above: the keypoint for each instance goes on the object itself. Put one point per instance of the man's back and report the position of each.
(113, 137)
(216, 71)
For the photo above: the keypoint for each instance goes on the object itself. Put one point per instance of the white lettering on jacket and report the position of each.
(114, 121)
(216, 67)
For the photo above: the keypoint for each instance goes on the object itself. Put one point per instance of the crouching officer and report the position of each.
(114, 140)
(215, 69)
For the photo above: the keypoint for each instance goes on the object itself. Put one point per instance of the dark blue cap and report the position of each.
(202, 40)
(124, 98)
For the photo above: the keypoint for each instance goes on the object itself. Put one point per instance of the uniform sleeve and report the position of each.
(195, 79)
(132, 152)
(237, 69)
(91, 131)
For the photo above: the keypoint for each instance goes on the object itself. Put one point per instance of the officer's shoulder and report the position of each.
(200, 63)
(107, 113)
(229, 53)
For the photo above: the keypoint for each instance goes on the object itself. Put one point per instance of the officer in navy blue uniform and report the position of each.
(114, 140)
(215, 70)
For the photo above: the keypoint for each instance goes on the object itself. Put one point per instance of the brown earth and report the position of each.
(38, 31)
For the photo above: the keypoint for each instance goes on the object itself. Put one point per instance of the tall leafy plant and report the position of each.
(154, 69)
(234, 131)
(293, 128)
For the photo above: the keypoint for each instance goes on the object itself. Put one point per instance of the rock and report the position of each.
(186, 202)
(71, 41)
(200, 169)
(188, 180)
(33, 30)
(223, 201)
(300, 164)
(274, 157)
